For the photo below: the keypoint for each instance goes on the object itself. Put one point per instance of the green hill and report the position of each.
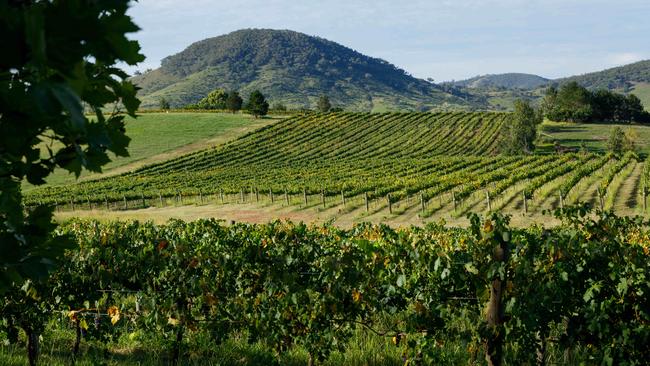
(292, 68)
(622, 77)
(508, 81)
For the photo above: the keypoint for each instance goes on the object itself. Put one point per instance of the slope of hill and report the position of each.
(508, 81)
(292, 68)
(157, 137)
(622, 77)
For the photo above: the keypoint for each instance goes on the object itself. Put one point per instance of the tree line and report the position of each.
(575, 103)
(257, 104)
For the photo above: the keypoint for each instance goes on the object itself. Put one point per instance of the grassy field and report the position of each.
(594, 136)
(160, 136)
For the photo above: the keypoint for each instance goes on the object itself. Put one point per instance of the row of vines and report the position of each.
(581, 287)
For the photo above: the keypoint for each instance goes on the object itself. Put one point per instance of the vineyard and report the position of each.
(573, 294)
(370, 166)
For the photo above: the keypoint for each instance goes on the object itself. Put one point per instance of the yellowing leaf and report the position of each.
(487, 226)
(83, 325)
(114, 313)
(172, 321)
(356, 295)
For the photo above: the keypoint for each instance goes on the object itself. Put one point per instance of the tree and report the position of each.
(234, 101)
(257, 104)
(617, 141)
(279, 107)
(520, 133)
(324, 104)
(164, 104)
(216, 99)
(58, 56)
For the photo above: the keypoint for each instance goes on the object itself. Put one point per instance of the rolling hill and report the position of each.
(294, 69)
(508, 81)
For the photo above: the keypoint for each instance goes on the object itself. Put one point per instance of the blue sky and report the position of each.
(442, 39)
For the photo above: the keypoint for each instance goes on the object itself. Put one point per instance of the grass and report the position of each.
(161, 136)
(642, 90)
(594, 136)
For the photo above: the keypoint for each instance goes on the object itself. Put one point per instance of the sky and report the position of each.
(440, 39)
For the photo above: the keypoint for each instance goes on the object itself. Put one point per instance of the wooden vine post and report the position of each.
(72, 204)
(241, 195)
(487, 198)
(390, 204)
(304, 196)
(523, 196)
(365, 196)
(422, 201)
(221, 195)
(286, 196)
(645, 202)
(342, 198)
(453, 198)
(271, 194)
(126, 206)
(600, 198)
(495, 307)
(561, 201)
(144, 203)
(322, 197)
(257, 195)
(160, 199)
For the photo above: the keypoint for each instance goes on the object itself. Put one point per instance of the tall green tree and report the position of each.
(257, 104)
(519, 135)
(164, 104)
(234, 101)
(324, 104)
(57, 57)
(216, 99)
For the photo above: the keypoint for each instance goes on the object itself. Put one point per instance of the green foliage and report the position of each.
(164, 104)
(279, 107)
(233, 101)
(619, 142)
(578, 288)
(216, 99)
(58, 57)
(324, 104)
(575, 103)
(257, 104)
(521, 132)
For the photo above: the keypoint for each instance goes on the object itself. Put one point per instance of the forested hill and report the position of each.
(509, 81)
(291, 68)
(621, 77)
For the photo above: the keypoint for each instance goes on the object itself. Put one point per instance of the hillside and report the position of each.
(622, 77)
(508, 81)
(158, 137)
(292, 68)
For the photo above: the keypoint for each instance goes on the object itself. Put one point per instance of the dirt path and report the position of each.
(626, 200)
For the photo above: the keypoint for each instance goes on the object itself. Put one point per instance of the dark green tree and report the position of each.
(324, 104)
(216, 99)
(234, 101)
(521, 132)
(164, 104)
(257, 104)
(57, 57)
